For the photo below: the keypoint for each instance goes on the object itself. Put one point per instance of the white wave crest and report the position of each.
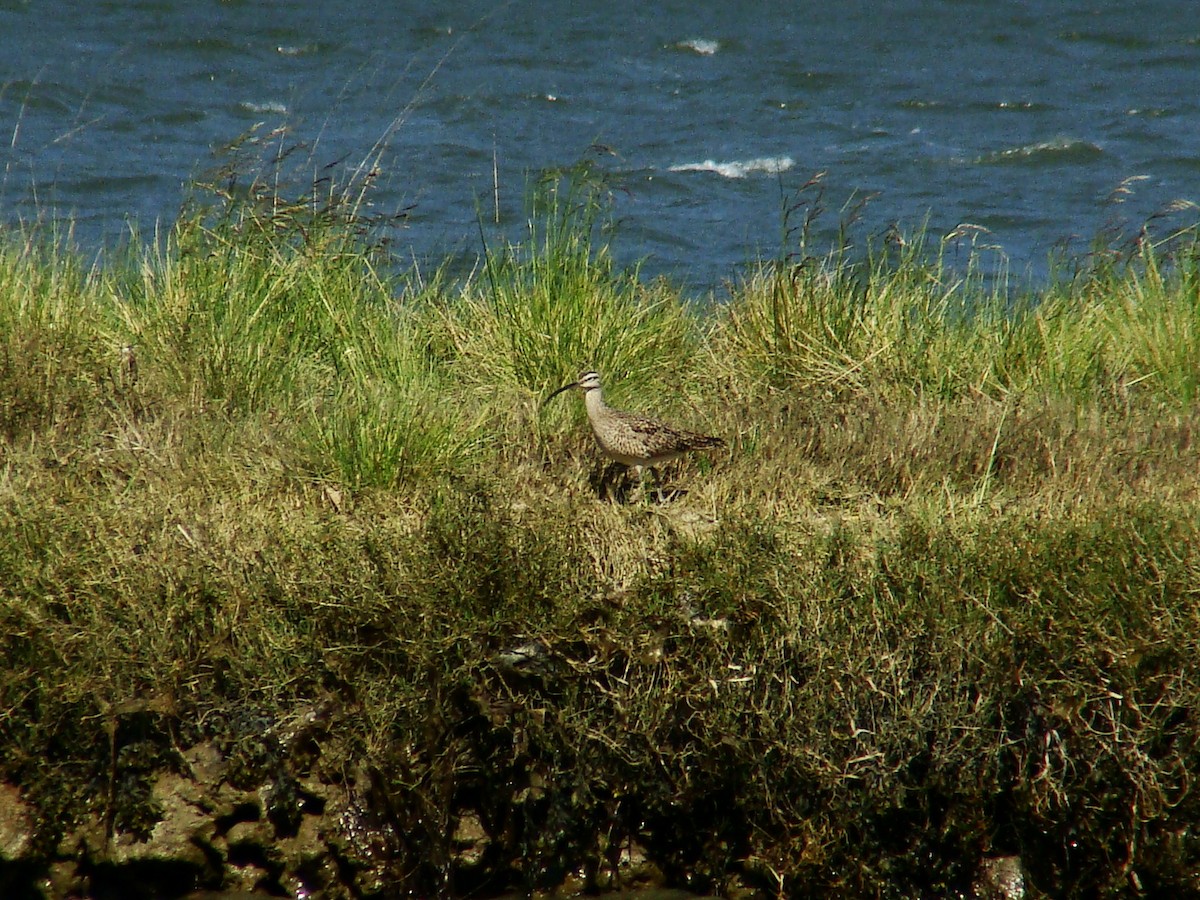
(703, 46)
(770, 165)
(1059, 147)
(269, 106)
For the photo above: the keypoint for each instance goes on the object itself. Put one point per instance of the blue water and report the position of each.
(1020, 117)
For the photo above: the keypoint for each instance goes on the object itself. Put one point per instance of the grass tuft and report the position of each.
(543, 310)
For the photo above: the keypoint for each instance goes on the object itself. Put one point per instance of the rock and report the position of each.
(181, 835)
(470, 840)
(257, 834)
(15, 824)
(206, 763)
(1000, 878)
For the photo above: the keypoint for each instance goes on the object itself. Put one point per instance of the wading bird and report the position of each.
(631, 439)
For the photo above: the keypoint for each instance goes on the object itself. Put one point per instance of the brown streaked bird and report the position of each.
(632, 439)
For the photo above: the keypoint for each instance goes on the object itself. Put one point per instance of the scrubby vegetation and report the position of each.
(937, 604)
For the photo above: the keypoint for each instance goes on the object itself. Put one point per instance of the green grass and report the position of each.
(538, 313)
(937, 602)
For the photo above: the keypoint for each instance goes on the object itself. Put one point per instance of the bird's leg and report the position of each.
(625, 487)
(658, 484)
(640, 473)
(641, 481)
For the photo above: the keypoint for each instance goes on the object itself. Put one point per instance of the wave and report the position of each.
(296, 49)
(269, 106)
(1057, 149)
(770, 165)
(703, 46)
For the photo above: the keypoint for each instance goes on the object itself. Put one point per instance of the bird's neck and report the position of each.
(594, 401)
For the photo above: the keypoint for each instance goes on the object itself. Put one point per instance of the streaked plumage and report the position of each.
(632, 439)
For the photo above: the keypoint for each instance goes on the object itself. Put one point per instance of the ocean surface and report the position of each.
(1046, 122)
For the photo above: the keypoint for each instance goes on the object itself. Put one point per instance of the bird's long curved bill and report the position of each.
(565, 387)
